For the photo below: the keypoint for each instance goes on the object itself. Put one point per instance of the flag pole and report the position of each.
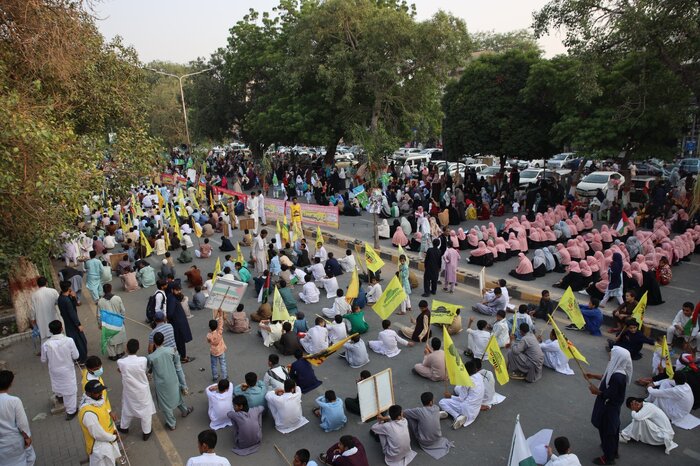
(573, 354)
(282, 455)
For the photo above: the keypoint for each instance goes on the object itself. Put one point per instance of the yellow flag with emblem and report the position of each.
(640, 309)
(279, 309)
(495, 357)
(146, 245)
(318, 358)
(456, 371)
(666, 355)
(166, 238)
(211, 201)
(217, 270)
(372, 259)
(565, 344)
(161, 201)
(200, 191)
(175, 224)
(197, 229)
(319, 235)
(569, 305)
(285, 230)
(391, 298)
(353, 288)
(239, 254)
(442, 312)
(194, 202)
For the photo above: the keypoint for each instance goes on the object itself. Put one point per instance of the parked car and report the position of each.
(536, 163)
(689, 166)
(641, 188)
(477, 167)
(649, 169)
(345, 160)
(533, 175)
(589, 186)
(415, 161)
(489, 172)
(520, 164)
(558, 161)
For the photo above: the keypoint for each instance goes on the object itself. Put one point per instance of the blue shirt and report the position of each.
(255, 395)
(332, 414)
(593, 317)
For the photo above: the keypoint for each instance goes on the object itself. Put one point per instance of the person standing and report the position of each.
(169, 380)
(93, 277)
(405, 284)
(610, 395)
(67, 303)
(44, 307)
(60, 352)
(98, 427)
(259, 252)
(178, 319)
(261, 208)
(137, 401)
(112, 303)
(433, 261)
(217, 346)
(15, 437)
(206, 442)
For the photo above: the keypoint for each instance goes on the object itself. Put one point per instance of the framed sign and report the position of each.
(226, 294)
(376, 394)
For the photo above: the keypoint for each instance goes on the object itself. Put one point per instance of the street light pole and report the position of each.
(182, 94)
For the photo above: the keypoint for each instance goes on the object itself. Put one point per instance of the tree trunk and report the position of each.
(330, 151)
(22, 281)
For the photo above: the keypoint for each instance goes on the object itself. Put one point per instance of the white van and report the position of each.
(414, 161)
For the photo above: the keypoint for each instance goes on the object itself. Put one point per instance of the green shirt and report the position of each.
(357, 322)
(244, 275)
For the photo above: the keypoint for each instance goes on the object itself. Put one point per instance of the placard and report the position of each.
(226, 294)
(482, 279)
(376, 394)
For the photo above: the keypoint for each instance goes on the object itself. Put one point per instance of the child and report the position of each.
(522, 317)
(593, 317)
(374, 291)
(337, 330)
(217, 347)
(321, 253)
(330, 411)
(239, 322)
(300, 325)
(198, 299)
(310, 292)
(247, 238)
(208, 285)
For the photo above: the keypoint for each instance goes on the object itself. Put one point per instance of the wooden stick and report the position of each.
(282, 455)
(579, 364)
(224, 298)
(327, 321)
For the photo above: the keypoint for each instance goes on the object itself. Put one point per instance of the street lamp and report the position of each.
(182, 94)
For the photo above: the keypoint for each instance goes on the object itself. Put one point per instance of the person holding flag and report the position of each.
(464, 405)
(684, 325)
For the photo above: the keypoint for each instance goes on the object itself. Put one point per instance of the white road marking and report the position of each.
(692, 453)
(680, 289)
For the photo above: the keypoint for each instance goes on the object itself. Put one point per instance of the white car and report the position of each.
(477, 167)
(589, 186)
(489, 172)
(533, 175)
(558, 161)
(536, 163)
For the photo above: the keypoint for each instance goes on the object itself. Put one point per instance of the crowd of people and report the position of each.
(617, 260)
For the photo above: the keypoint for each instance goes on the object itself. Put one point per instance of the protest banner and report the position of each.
(442, 312)
(226, 294)
(275, 209)
(323, 215)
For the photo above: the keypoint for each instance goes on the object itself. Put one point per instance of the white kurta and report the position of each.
(259, 254)
(137, 401)
(340, 306)
(554, 357)
(219, 406)
(315, 340)
(373, 293)
(13, 420)
(286, 410)
(466, 401)
(650, 425)
(60, 352)
(336, 332)
(348, 263)
(356, 353)
(563, 460)
(310, 293)
(388, 343)
(331, 287)
(477, 341)
(676, 402)
(318, 272)
(44, 309)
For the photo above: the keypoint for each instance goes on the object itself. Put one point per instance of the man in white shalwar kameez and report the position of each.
(394, 437)
(310, 293)
(137, 402)
(259, 252)
(348, 262)
(465, 405)
(261, 208)
(340, 306)
(15, 436)
(389, 340)
(316, 339)
(60, 353)
(330, 285)
(675, 401)
(285, 407)
(554, 357)
(44, 308)
(253, 207)
(649, 425)
(220, 398)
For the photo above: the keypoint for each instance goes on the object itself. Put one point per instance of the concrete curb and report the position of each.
(652, 328)
(8, 340)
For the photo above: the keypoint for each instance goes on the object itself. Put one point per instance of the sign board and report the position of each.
(482, 279)
(226, 294)
(376, 394)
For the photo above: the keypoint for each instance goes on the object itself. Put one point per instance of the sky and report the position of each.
(182, 30)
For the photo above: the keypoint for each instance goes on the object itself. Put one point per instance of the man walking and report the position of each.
(98, 427)
(169, 380)
(136, 393)
(60, 352)
(44, 307)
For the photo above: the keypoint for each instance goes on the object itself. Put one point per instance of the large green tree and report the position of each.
(486, 111)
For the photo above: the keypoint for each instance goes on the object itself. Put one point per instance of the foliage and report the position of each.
(164, 106)
(492, 41)
(62, 90)
(486, 112)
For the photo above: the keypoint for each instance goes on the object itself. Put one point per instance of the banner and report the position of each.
(226, 294)
(361, 196)
(274, 209)
(442, 312)
(323, 215)
(172, 179)
(241, 196)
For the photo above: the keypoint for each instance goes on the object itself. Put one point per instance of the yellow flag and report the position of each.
(667, 356)
(122, 224)
(285, 230)
(166, 238)
(279, 310)
(110, 212)
(200, 191)
(515, 323)
(131, 220)
(493, 353)
(319, 236)
(353, 288)
(456, 371)
(442, 312)
(197, 229)
(391, 298)
(175, 224)
(161, 201)
(239, 257)
(194, 202)
(318, 358)
(569, 305)
(278, 230)
(211, 201)
(372, 259)
(146, 245)
(217, 269)
(638, 313)
(566, 346)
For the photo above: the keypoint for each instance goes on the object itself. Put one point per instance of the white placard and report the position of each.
(376, 394)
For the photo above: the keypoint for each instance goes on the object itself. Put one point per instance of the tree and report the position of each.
(164, 108)
(486, 112)
(491, 41)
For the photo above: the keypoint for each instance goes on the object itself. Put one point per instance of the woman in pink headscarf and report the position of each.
(605, 236)
(454, 241)
(534, 239)
(451, 260)
(481, 255)
(574, 250)
(524, 269)
(586, 272)
(514, 245)
(549, 236)
(492, 230)
(572, 227)
(572, 279)
(414, 244)
(522, 237)
(587, 221)
(564, 253)
(399, 238)
(642, 261)
(595, 269)
(472, 238)
(596, 243)
(491, 246)
(525, 222)
(584, 246)
(462, 238)
(637, 273)
(602, 264)
(578, 223)
(503, 249)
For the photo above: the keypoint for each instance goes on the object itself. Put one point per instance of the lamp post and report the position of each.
(182, 94)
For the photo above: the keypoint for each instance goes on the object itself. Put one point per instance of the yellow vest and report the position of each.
(102, 416)
(107, 404)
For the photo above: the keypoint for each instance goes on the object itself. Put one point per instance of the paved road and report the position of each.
(562, 403)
